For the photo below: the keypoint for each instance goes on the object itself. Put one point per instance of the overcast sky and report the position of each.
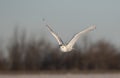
(67, 17)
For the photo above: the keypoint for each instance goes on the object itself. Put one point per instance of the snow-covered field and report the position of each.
(62, 76)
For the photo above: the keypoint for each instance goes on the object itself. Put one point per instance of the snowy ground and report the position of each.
(62, 76)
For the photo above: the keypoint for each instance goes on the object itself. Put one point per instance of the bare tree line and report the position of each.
(38, 55)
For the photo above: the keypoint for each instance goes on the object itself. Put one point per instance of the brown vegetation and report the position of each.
(32, 55)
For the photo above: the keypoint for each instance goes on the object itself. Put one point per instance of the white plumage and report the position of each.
(69, 47)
